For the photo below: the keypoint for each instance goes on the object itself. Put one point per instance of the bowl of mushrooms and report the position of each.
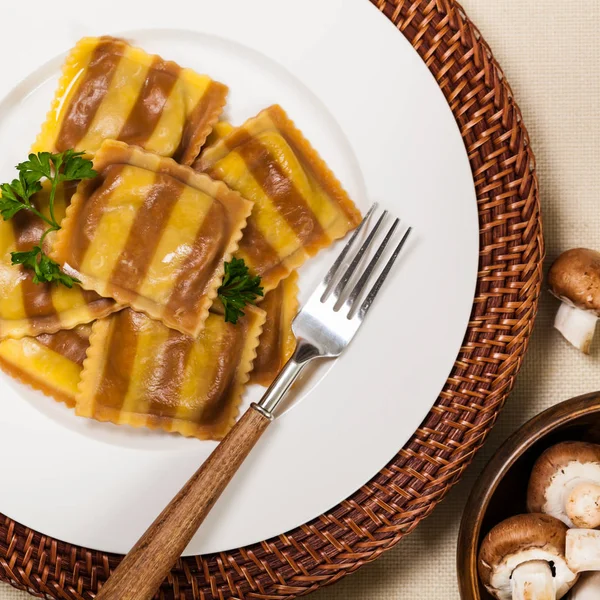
(531, 527)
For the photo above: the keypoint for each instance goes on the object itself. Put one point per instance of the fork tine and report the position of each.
(327, 281)
(339, 288)
(364, 278)
(377, 286)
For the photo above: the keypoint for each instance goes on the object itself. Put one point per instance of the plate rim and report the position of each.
(393, 441)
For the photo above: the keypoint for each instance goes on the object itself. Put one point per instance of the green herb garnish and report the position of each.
(238, 289)
(45, 268)
(16, 196)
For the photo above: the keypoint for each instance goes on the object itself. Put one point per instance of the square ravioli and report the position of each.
(50, 363)
(277, 341)
(27, 308)
(152, 234)
(299, 205)
(139, 372)
(111, 90)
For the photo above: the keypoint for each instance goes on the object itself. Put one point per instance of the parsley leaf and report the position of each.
(46, 270)
(238, 289)
(10, 202)
(16, 196)
(77, 167)
(37, 167)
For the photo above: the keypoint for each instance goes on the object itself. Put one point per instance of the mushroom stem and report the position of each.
(576, 325)
(583, 550)
(583, 506)
(533, 580)
(587, 588)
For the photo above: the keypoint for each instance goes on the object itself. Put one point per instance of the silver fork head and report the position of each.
(337, 308)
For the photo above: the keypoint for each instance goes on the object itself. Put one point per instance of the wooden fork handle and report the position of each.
(141, 572)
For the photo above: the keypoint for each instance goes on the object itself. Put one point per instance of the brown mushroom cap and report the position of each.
(552, 461)
(575, 276)
(520, 533)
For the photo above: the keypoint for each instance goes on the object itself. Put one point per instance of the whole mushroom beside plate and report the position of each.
(574, 279)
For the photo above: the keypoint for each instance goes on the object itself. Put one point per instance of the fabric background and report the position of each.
(550, 52)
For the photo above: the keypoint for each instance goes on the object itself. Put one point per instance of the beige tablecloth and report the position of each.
(550, 52)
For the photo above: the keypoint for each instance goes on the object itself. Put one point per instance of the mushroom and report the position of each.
(524, 558)
(574, 279)
(565, 483)
(587, 587)
(582, 550)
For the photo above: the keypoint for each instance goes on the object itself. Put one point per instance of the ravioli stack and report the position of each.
(178, 193)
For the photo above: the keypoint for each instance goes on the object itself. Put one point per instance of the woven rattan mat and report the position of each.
(422, 567)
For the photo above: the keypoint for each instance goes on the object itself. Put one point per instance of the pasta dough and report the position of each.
(139, 372)
(152, 234)
(111, 90)
(27, 308)
(277, 341)
(51, 363)
(299, 206)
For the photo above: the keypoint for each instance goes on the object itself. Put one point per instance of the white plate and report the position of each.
(365, 99)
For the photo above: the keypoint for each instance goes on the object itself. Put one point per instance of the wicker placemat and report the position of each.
(393, 503)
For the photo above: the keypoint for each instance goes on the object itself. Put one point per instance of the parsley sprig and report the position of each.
(238, 289)
(17, 195)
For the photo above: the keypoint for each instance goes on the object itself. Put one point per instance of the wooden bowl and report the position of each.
(500, 491)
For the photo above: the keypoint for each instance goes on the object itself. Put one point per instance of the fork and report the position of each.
(323, 329)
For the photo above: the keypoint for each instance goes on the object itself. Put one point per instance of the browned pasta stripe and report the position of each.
(144, 236)
(326, 184)
(37, 298)
(108, 180)
(72, 344)
(208, 105)
(237, 138)
(268, 355)
(225, 377)
(69, 188)
(326, 180)
(149, 105)
(90, 296)
(260, 254)
(120, 358)
(90, 94)
(165, 381)
(253, 246)
(275, 183)
(27, 229)
(198, 270)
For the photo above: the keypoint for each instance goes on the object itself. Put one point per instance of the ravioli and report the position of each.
(111, 90)
(220, 131)
(152, 234)
(139, 372)
(299, 205)
(27, 308)
(277, 341)
(50, 363)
